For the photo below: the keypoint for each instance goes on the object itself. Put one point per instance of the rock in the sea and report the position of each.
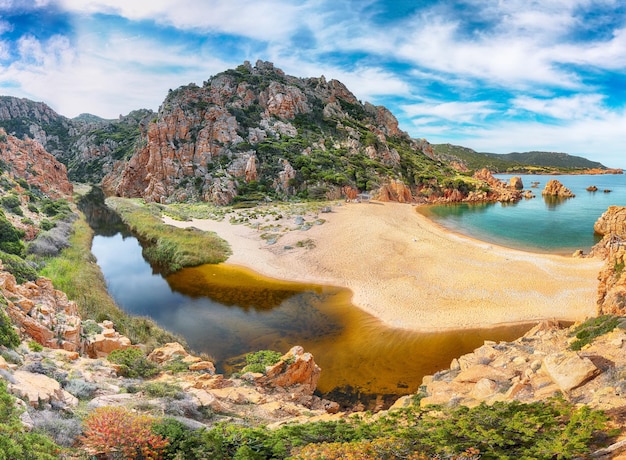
(516, 183)
(592, 188)
(556, 188)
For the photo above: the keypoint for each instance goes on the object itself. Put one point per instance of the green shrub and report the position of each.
(8, 336)
(15, 442)
(163, 390)
(592, 328)
(258, 361)
(18, 267)
(133, 363)
(34, 346)
(10, 237)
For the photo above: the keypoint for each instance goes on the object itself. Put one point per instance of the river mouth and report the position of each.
(227, 311)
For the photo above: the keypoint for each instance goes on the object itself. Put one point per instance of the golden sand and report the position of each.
(412, 273)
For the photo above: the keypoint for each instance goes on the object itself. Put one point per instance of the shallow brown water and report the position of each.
(355, 350)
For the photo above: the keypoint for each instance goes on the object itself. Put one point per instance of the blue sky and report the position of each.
(493, 75)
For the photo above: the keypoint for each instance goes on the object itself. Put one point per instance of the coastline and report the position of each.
(411, 273)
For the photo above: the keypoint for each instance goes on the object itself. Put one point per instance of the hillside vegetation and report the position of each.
(525, 162)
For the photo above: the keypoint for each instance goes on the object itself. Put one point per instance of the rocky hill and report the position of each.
(87, 145)
(518, 162)
(253, 133)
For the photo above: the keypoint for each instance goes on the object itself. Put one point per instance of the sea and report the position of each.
(540, 224)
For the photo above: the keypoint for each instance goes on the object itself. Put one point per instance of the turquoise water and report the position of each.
(538, 224)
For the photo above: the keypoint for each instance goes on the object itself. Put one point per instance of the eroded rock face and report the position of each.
(557, 189)
(39, 389)
(28, 159)
(42, 312)
(612, 248)
(394, 191)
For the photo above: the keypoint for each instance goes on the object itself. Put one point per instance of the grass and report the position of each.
(76, 273)
(170, 248)
(592, 328)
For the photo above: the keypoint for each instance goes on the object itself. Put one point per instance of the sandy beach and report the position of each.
(413, 274)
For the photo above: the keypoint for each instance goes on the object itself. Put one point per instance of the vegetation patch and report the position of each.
(170, 248)
(592, 328)
(133, 363)
(258, 361)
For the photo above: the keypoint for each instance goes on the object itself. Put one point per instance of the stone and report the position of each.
(39, 389)
(479, 372)
(483, 389)
(557, 189)
(295, 369)
(207, 366)
(168, 352)
(516, 183)
(568, 370)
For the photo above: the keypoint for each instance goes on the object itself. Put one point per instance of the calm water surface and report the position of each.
(227, 311)
(539, 224)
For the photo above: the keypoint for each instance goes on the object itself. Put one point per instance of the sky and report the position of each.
(493, 75)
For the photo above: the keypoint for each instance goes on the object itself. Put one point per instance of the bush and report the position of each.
(163, 390)
(50, 243)
(12, 204)
(18, 267)
(258, 361)
(23, 270)
(10, 237)
(15, 442)
(34, 346)
(81, 388)
(64, 430)
(119, 433)
(8, 336)
(133, 363)
(592, 328)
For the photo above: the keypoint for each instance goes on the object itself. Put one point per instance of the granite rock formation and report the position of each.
(555, 188)
(28, 160)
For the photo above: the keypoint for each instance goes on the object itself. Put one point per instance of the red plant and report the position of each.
(115, 432)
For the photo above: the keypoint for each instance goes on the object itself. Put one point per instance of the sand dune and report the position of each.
(413, 274)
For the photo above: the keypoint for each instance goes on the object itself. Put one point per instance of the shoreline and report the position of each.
(412, 273)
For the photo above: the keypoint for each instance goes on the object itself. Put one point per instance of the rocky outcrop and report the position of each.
(557, 189)
(40, 390)
(612, 248)
(45, 315)
(42, 312)
(395, 190)
(175, 351)
(101, 344)
(516, 183)
(533, 368)
(27, 159)
(295, 372)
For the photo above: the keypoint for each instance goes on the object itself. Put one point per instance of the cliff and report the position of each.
(28, 160)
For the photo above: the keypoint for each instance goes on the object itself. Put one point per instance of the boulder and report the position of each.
(295, 371)
(557, 189)
(568, 370)
(168, 352)
(516, 183)
(39, 389)
(108, 340)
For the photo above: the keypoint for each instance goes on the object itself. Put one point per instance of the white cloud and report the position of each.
(579, 106)
(263, 20)
(458, 112)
